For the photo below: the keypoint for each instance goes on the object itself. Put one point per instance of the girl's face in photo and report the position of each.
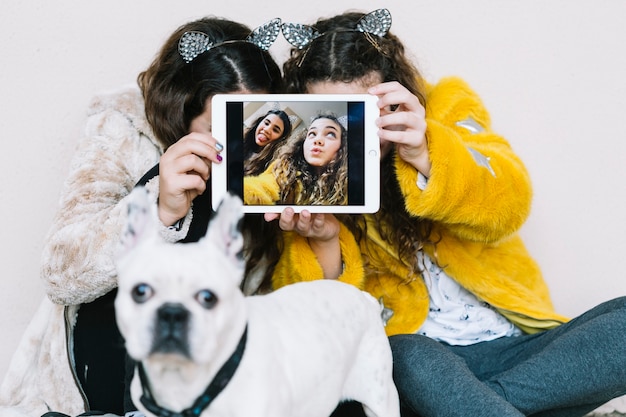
(323, 140)
(271, 128)
(358, 86)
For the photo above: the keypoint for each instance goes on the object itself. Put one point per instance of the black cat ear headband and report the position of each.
(376, 23)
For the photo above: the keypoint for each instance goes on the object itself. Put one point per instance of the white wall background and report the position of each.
(552, 73)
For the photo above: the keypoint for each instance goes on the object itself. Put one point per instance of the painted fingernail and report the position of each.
(219, 146)
(219, 157)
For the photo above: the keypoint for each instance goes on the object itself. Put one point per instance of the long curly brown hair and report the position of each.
(343, 54)
(258, 158)
(302, 185)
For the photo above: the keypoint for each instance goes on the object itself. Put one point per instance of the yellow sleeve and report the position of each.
(261, 189)
(478, 188)
(299, 263)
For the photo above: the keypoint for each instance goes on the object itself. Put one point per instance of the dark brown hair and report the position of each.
(300, 184)
(342, 54)
(258, 158)
(175, 92)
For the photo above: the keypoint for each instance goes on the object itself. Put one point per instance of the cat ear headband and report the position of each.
(194, 43)
(342, 120)
(376, 23)
(293, 119)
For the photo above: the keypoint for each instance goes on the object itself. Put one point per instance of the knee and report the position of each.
(407, 349)
(401, 343)
(607, 323)
(408, 362)
(620, 303)
(417, 355)
(616, 308)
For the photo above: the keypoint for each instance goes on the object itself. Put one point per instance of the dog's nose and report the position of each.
(173, 314)
(170, 336)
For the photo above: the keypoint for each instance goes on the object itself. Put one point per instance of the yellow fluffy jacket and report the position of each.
(478, 196)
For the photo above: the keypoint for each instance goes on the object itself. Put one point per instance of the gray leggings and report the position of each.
(566, 372)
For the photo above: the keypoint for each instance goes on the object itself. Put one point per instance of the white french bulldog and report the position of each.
(203, 349)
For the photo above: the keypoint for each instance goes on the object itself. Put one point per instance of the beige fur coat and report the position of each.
(77, 263)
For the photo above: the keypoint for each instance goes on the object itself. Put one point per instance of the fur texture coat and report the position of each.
(118, 147)
(478, 196)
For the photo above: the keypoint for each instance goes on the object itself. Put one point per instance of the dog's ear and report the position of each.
(225, 227)
(141, 220)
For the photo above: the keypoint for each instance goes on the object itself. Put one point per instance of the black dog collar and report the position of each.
(222, 378)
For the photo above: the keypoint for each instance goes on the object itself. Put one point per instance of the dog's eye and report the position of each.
(206, 298)
(142, 293)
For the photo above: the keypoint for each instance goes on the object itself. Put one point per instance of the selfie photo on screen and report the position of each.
(301, 151)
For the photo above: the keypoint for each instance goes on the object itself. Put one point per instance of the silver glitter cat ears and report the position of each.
(343, 121)
(376, 23)
(293, 119)
(194, 43)
(265, 35)
(299, 35)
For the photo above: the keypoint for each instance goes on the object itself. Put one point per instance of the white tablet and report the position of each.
(330, 162)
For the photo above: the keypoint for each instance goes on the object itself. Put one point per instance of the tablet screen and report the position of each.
(314, 152)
